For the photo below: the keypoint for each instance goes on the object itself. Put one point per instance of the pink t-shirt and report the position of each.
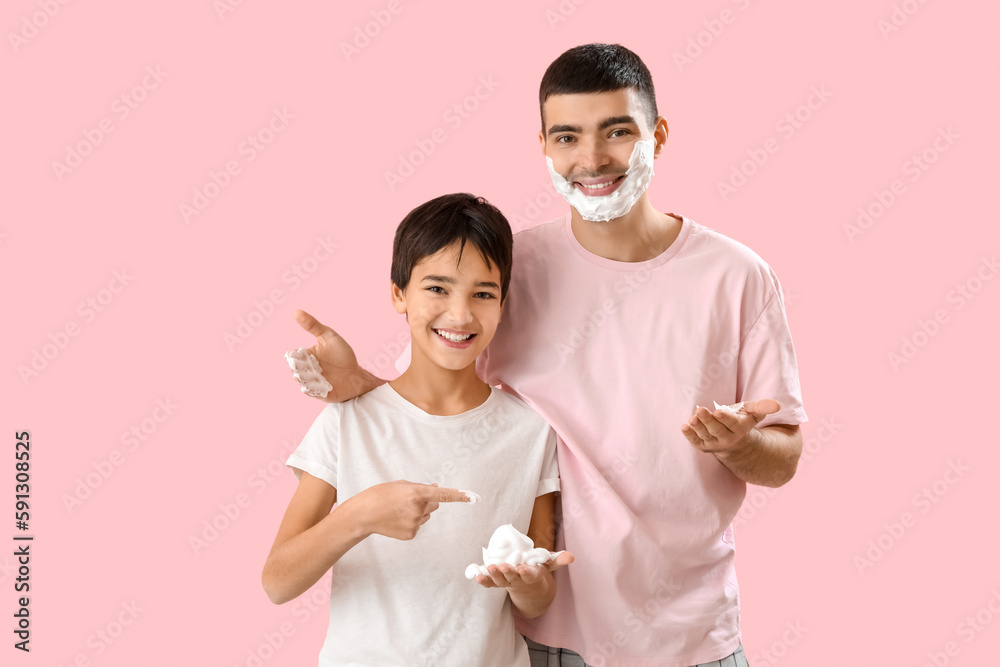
(615, 356)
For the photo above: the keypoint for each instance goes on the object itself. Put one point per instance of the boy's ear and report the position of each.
(398, 298)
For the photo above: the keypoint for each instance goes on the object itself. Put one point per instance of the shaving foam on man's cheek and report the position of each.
(619, 202)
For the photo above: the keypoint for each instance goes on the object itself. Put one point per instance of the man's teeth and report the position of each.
(454, 338)
(598, 186)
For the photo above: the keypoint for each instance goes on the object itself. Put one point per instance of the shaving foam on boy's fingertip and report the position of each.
(472, 497)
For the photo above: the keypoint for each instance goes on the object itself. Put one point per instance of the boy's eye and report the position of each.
(485, 295)
(437, 289)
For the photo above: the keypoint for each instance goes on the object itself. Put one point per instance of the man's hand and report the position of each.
(721, 432)
(337, 361)
(521, 576)
(398, 509)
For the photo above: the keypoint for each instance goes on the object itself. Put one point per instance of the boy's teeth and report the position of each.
(455, 338)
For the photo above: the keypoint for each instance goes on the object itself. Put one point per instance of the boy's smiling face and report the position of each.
(452, 306)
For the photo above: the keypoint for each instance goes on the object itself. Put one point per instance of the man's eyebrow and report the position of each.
(556, 129)
(616, 120)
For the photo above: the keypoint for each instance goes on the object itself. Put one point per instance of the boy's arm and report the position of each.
(532, 587)
(312, 538)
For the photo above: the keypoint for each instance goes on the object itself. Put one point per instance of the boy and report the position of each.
(401, 598)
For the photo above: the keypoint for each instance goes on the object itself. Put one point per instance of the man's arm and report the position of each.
(338, 363)
(766, 456)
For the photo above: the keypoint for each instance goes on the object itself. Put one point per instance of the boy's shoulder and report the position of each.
(518, 409)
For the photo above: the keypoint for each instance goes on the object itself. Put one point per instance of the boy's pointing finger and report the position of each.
(433, 493)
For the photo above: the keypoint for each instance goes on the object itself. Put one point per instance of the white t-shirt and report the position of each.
(408, 603)
(615, 356)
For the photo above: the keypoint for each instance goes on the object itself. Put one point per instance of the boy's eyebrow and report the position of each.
(451, 281)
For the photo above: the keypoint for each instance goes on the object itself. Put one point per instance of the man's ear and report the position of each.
(398, 298)
(660, 132)
(541, 140)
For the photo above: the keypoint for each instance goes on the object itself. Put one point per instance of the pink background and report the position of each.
(880, 432)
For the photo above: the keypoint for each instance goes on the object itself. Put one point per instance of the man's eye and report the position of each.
(564, 139)
(620, 133)
(437, 289)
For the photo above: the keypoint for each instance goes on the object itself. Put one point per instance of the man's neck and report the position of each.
(641, 234)
(439, 391)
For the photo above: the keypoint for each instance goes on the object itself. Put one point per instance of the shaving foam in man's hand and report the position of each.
(509, 545)
(733, 409)
(306, 370)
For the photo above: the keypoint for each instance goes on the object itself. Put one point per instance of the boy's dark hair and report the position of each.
(598, 68)
(440, 222)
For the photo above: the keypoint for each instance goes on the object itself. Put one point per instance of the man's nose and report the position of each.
(592, 155)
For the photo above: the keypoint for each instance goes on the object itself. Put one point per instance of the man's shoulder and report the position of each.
(544, 233)
(706, 243)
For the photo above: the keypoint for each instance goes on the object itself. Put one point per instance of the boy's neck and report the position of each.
(439, 391)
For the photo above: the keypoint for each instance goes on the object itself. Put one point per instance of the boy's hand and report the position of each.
(721, 432)
(521, 576)
(337, 361)
(398, 509)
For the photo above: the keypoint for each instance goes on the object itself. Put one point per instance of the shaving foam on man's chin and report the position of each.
(619, 202)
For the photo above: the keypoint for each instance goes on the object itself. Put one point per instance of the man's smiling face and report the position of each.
(590, 137)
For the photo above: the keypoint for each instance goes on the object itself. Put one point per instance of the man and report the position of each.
(621, 322)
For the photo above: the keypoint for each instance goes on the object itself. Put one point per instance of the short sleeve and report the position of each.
(317, 453)
(548, 481)
(767, 366)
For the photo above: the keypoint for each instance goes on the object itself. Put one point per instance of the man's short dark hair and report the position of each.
(444, 220)
(598, 68)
